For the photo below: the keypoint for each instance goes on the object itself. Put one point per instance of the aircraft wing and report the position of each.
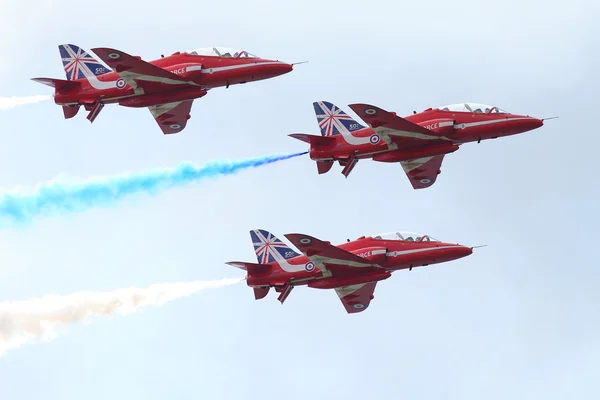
(423, 172)
(327, 258)
(142, 76)
(394, 129)
(323, 253)
(356, 298)
(172, 117)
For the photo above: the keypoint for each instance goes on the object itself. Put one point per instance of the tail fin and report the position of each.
(269, 248)
(333, 121)
(78, 64)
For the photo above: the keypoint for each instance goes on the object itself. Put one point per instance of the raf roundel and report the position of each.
(359, 306)
(120, 83)
(370, 111)
(425, 181)
(305, 240)
(374, 139)
(175, 126)
(114, 56)
(309, 267)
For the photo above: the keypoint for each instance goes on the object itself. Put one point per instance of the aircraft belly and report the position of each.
(348, 280)
(152, 99)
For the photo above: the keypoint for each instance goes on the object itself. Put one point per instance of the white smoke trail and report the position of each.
(11, 102)
(24, 321)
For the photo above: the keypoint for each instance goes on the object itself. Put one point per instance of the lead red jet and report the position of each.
(418, 142)
(352, 269)
(167, 86)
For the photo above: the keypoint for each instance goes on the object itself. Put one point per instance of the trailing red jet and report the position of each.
(418, 142)
(352, 269)
(167, 86)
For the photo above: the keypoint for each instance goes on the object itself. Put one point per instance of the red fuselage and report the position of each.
(207, 72)
(389, 255)
(454, 126)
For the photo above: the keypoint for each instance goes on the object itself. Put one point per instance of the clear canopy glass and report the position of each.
(473, 107)
(405, 236)
(225, 52)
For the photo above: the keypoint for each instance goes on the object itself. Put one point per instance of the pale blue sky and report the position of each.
(517, 319)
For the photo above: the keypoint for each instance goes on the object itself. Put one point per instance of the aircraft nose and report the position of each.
(281, 68)
(536, 123)
(457, 251)
(530, 123)
(465, 251)
(287, 67)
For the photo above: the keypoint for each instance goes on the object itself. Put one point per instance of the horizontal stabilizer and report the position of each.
(58, 84)
(253, 269)
(313, 140)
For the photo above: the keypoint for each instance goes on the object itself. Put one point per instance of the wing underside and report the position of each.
(172, 117)
(334, 261)
(356, 298)
(423, 172)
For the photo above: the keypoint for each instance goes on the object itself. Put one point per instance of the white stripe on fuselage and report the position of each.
(128, 77)
(491, 121)
(239, 66)
(402, 252)
(386, 132)
(415, 135)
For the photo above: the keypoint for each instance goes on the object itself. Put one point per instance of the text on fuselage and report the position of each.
(178, 71)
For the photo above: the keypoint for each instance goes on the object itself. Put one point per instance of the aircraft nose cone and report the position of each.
(280, 67)
(537, 123)
(466, 251)
(531, 124)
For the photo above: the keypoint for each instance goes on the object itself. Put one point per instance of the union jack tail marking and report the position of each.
(269, 248)
(78, 64)
(333, 121)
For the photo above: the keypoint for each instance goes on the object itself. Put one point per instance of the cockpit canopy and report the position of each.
(224, 52)
(473, 107)
(405, 236)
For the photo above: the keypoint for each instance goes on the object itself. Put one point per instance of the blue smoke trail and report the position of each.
(59, 198)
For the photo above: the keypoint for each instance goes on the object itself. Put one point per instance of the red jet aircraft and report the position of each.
(418, 142)
(167, 86)
(352, 269)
